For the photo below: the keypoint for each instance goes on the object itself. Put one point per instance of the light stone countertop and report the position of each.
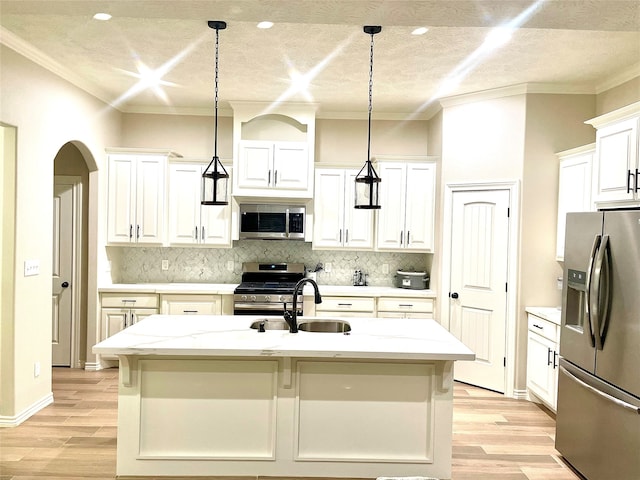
(228, 335)
(228, 288)
(552, 314)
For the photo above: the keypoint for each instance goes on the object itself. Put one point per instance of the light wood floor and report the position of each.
(494, 438)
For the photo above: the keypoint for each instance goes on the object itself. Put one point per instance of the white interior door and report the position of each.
(62, 287)
(478, 303)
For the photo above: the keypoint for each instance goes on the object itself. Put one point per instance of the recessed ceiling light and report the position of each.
(265, 25)
(102, 16)
(420, 31)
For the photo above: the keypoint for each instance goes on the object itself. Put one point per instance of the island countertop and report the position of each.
(228, 335)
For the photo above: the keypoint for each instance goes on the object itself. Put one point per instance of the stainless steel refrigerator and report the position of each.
(598, 411)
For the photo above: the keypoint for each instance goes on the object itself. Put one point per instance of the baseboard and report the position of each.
(520, 394)
(92, 366)
(14, 421)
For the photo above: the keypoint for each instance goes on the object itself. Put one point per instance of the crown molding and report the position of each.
(12, 41)
(617, 80)
(624, 113)
(169, 110)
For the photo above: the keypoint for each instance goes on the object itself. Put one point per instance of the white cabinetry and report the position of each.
(407, 198)
(346, 306)
(191, 304)
(574, 188)
(616, 168)
(542, 359)
(273, 165)
(337, 224)
(121, 310)
(136, 197)
(405, 307)
(191, 223)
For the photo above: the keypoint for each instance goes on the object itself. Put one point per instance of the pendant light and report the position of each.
(215, 179)
(367, 180)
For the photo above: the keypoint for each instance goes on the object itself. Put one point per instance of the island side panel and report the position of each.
(228, 406)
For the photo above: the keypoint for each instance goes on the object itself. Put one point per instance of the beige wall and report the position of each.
(47, 112)
(617, 97)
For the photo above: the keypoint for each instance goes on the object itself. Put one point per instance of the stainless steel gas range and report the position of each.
(267, 289)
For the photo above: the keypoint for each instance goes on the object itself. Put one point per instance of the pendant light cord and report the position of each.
(370, 100)
(215, 141)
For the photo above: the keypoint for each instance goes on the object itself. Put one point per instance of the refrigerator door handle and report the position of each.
(587, 308)
(617, 401)
(601, 286)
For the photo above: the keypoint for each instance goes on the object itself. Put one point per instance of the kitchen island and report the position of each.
(210, 396)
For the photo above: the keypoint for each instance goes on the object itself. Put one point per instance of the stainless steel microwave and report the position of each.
(272, 222)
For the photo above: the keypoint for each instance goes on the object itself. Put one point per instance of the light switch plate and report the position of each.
(31, 268)
(327, 267)
(230, 265)
(165, 264)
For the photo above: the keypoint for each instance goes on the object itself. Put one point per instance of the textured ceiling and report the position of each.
(573, 45)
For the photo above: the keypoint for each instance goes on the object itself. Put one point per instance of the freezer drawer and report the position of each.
(597, 426)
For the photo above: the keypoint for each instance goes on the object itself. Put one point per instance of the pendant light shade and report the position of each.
(215, 179)
(367, 180)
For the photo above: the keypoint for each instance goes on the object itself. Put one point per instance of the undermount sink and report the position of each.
(270, 324)
(325, 326)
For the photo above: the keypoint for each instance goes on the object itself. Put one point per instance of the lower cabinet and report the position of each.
(542, 360)
(182, 304)
(405, 307)
(346, 306)
(121, 310)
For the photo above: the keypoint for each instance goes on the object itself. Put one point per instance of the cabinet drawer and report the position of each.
(340, 304)
(132, 300)
(191, 304)
(395, 304)
(544, 328)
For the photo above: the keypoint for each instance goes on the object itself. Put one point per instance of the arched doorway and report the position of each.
(72, 165)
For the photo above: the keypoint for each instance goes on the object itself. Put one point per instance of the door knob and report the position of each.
(454, 295)
(64, 284)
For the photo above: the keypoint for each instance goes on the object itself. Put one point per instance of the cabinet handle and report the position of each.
(275, 178)
(137, 232)
(340, 236)
(401, 233)
(629, 176)
(636, 179)
(538, 326)
(133, 318)
(555, 357)
(345, 304)
(408, 241)
(269, 179)
(190, 311)
(202, 233)
(124, 324)
(549, 356)
(196, 235)
(130, 231)
(346, 236)
(408, 305)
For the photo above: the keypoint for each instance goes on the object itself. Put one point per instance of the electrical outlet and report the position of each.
(165, 264)
(327, 267)
(31, 268)
(230, 265)
(36, 370)
(385, 268)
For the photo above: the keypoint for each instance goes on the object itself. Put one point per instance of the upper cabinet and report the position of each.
(407, 198)
(337, 224)
(616, 167)
(273, 150)
(191, 223)
(136, 196)
(574, 188)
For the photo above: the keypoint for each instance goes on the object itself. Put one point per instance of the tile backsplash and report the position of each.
(209, 265)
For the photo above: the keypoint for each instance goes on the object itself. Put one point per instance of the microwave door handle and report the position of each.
(588, 312)
(286, 223)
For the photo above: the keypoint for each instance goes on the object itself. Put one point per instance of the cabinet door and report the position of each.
(215, 228)
(541, 375)
(184, 203)
(392, 200)
(255, 164)
(616, 155)
(358, 223)
(114, 320)
(138, 314)
(121, 207)
(420, 207)
(150, 180)
(192, 304)
(328, 212)
(290, 166)
(574, 192)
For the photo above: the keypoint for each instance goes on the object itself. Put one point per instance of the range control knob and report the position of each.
(244, 298)
(267, 298)
(253, 298)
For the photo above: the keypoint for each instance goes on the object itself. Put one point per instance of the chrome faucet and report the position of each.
(292, 318)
